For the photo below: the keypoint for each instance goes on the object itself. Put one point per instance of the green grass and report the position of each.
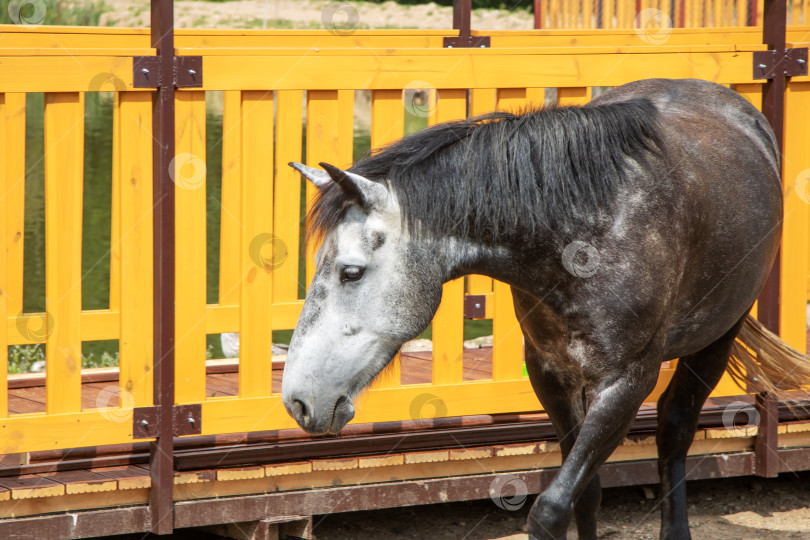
(59, 12)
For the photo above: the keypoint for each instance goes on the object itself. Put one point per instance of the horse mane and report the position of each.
(504, 174)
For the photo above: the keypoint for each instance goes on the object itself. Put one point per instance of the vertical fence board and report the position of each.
(115, 218)
(573, 96)
(448, 324)
(6, 210)
(64, 139)
(287, 196)
(13, 119)
(328, 139)
(256, 283)
(230, 201)
(507, 337)
(190, 246)
(796, 227)
(511, 99)
(387, 125)
(134, 133)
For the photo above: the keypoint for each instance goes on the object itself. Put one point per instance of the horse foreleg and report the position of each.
(678, 412)
(613, 407)
(560, 392)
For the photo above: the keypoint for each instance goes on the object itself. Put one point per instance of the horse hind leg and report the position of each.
(678, 413)
(562, 399)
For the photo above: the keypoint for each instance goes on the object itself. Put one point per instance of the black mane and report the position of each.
(504, 174)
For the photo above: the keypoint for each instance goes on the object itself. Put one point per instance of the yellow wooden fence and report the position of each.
(267, 79)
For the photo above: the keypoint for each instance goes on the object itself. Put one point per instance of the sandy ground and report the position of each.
(728, 509)
(309, 14)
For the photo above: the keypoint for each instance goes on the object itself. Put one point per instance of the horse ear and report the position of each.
(320, 179)
(369, 194)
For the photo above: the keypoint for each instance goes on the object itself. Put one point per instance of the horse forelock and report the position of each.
(504, 174)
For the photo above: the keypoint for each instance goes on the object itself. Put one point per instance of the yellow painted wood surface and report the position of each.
(256, 253)
(796, 227)
(507, 337)
(115, 217)
(190, 248)
(573, 96)
(287, 196)
(3, 261)
(13, 169)
(134, 244)
(64, 176)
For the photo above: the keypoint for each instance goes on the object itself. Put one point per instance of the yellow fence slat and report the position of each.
(13, 119)
(478, 284)
(115, 218)
(134, 243)
(256, 284)
(751, 92)
(222, 318)
(64, 139)
(287, 196)
(230, 201)
(507, 337)
(448, 323)
(387, 125)
(6, 209)
(573, 96)
(328, 139)
(512, 99)
(190, 243)
(482, 101)
(796, 227)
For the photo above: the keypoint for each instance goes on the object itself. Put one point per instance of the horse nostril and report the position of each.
(301, 413)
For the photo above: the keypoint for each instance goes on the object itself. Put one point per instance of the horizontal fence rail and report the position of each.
(278, 97)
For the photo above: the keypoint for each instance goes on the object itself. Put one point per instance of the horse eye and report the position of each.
(351, 273)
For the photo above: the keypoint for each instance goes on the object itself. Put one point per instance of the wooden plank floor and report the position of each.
(416, 368)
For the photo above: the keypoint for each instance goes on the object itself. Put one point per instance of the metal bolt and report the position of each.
(801, 60)
(449, 46)
(477, 306)
(762, 66)
(483, 46)
(144, 423)
(190, 420)
(192, 72)
(144, 71)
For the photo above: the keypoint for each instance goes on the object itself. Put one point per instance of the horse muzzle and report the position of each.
(320, 420)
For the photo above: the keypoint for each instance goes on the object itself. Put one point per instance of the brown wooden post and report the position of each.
(538, 14)
(161, 459)
(773, 107)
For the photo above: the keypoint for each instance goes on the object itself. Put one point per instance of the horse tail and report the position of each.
(761, 362)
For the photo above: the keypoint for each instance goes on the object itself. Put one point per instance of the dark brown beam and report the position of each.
(160, 462)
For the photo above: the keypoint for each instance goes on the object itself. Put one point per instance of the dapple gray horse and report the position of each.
(636, 229)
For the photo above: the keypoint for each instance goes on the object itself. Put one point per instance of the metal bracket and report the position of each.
(791, 63)
(187, 421)
(187, 72)
(475, 306)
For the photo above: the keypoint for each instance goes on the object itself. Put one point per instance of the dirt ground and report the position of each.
(727, 509)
